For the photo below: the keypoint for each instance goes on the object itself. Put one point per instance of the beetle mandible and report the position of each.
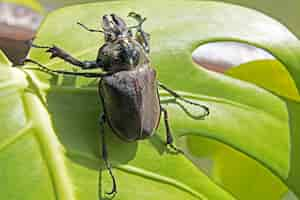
(128, 87)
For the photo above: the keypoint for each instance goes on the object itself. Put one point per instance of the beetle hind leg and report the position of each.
(169, 137)
(108, 166)
(177, 96)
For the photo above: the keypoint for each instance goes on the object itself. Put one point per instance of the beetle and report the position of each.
(128, 85)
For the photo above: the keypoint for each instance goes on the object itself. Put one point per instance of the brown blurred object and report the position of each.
(18, 24)
(221, 56)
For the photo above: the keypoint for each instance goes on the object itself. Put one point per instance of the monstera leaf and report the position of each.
(245, 149)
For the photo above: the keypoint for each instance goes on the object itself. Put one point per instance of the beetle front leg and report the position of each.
(176, 95)
(55, 72)
(90, 29)
(57, 52)
(141, 36)
(169, 137)
(108, 166)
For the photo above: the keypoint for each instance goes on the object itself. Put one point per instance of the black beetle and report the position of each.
(128, 86)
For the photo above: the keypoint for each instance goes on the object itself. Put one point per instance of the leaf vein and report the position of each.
(11, 140)
(159, 178)
(144, 173)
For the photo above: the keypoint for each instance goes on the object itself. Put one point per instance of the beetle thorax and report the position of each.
(122, 54)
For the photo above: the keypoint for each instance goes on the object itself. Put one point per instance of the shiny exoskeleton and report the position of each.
(128, 86)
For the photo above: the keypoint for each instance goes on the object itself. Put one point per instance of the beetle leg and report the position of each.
(54, 72)
(138, 18)
(169, 137)
(105, 158)
(176, 95)
(89, 29)
(60, 53)
(141, 36)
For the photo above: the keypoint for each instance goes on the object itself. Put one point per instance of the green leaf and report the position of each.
(280, 82)
(60, 136)
(3, 59)
(293, 179)
(30, 146)
(269, 74)
(234, 171)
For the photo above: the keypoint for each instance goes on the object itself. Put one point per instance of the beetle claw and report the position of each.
(114, 188)
(54, 51)
(113, 191)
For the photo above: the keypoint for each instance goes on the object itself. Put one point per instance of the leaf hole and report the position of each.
(221, 56)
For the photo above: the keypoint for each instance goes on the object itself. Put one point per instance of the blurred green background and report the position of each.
(287, 12)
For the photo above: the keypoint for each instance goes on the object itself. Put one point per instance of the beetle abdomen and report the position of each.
(131, 102)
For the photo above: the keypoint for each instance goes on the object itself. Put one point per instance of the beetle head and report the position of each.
(114, 27)
(121, 51)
